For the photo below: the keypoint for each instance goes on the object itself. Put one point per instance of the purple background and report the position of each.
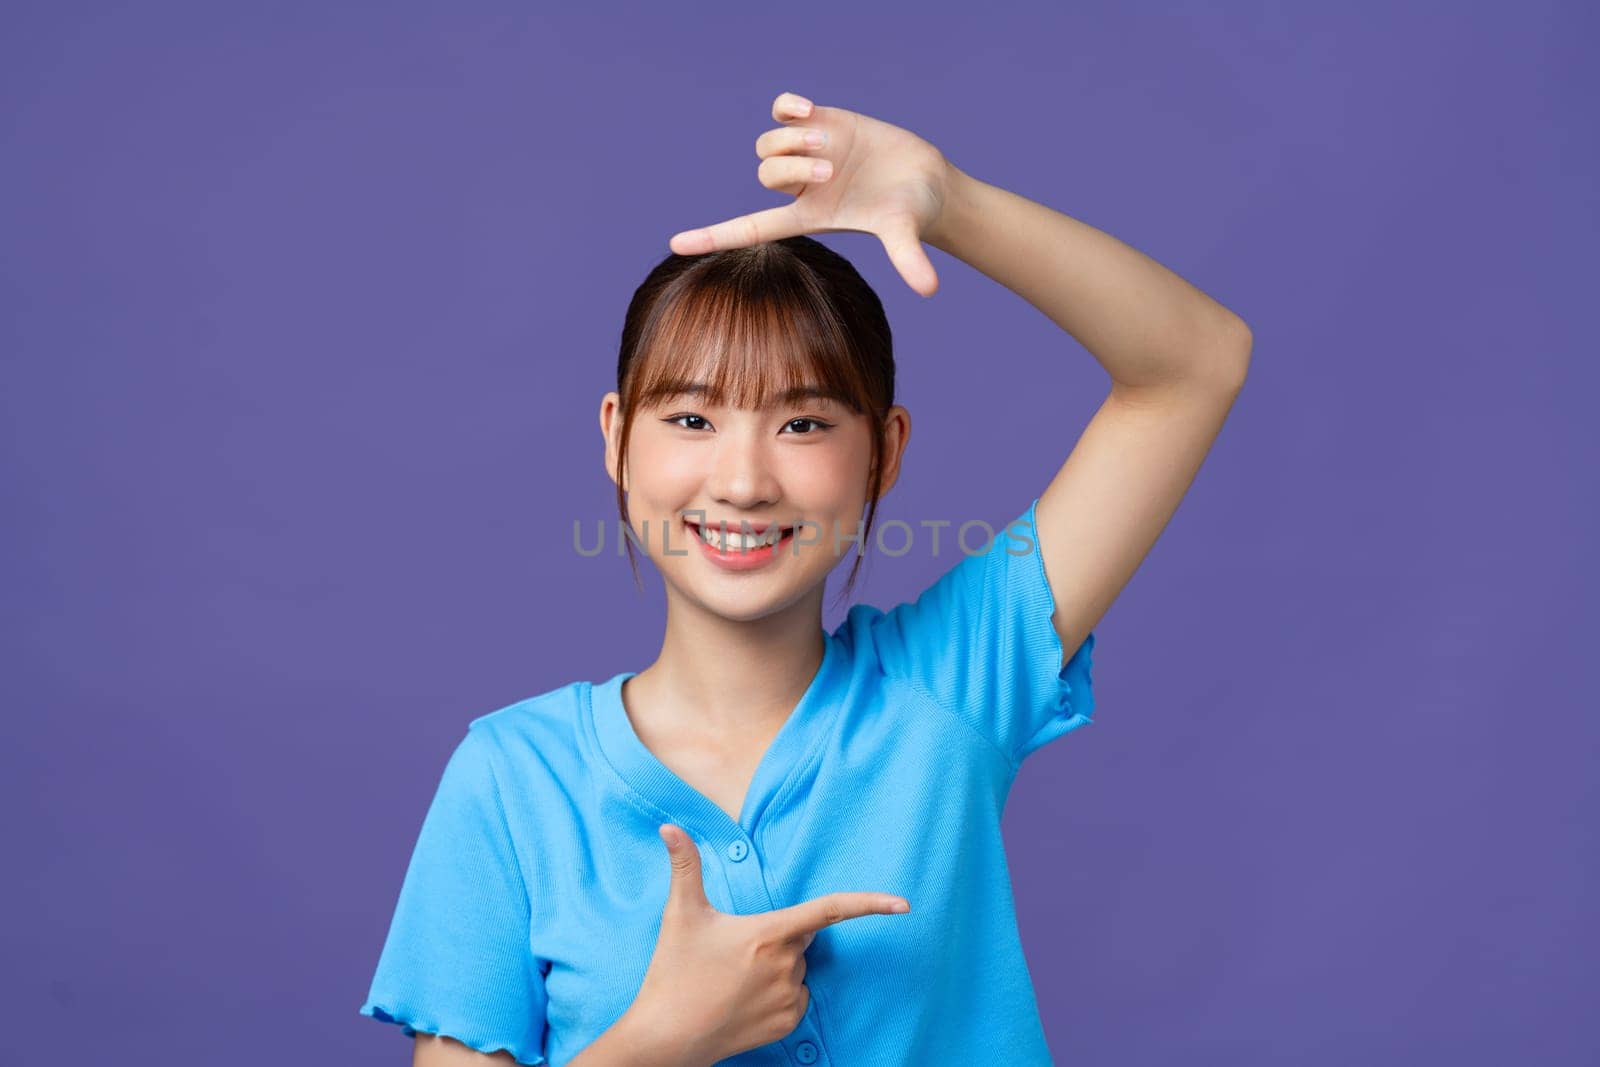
(306, 312)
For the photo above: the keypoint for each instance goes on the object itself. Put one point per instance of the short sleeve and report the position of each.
(979, 641)
(457, 960)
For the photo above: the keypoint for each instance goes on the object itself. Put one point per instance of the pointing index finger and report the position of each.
(813, 915)
(773, 224)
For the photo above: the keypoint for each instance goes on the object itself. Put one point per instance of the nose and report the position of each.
(742, 475)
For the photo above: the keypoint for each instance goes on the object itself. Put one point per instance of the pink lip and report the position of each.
(741, 561)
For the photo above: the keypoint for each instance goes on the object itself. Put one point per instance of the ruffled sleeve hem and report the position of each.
(1074, 703)
(1071, 685)
(413, 1023)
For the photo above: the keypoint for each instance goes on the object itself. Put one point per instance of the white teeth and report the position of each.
(735, 541)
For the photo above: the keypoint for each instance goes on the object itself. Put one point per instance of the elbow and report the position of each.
(1247, 341)
(1223, 357)
(1211, 362)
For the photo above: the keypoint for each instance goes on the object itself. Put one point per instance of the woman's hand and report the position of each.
(718, 983)
(883, 180)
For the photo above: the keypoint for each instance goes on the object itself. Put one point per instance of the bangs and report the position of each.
(753, 342)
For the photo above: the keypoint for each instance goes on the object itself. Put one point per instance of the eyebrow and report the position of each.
(673, 390)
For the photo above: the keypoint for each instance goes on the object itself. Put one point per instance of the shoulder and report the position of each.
(540, 729)
(552, 708)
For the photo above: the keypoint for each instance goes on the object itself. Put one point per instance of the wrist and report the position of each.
(955, 209)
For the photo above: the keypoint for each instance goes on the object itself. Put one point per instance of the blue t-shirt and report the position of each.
(529, 913)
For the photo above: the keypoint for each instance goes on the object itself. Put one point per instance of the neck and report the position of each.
(731, 678)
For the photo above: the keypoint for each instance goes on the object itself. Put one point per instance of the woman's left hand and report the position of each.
(884, 180)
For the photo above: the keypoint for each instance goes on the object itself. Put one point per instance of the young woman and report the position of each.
(775, 844)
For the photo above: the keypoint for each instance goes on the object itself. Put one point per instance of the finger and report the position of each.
(786, 173)
(790, 140)
(790, 106)
(773, 224)
(687, 889)
(836, 908)
(904, 247)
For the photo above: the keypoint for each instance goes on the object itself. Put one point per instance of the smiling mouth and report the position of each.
(733, 538)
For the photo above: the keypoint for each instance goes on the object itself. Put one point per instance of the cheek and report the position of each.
(676, 468)
(663, 472)
(826, 480)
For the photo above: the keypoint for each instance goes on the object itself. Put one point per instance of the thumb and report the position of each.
(904, 246)
(686, 890)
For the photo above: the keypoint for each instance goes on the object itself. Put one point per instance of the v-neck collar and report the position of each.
(656, 782)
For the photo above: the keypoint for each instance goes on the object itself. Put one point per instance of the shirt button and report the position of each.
(738, 851)
(805, 1052)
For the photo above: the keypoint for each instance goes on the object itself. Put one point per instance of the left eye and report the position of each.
(814, 422)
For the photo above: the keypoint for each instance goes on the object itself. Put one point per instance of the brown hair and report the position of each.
(754, 323)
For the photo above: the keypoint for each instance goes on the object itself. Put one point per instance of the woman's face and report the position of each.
(802, 465)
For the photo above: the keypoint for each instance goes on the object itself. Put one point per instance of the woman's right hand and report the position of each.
(719, 984)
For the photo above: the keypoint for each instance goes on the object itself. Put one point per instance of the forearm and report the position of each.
(1144, 324)
(633, 1042)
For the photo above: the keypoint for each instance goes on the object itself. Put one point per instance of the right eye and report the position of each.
(676, 419)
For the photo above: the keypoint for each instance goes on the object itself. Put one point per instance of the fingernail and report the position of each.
(816, 138)
(802, 105)
(900, 906)
(821, 168)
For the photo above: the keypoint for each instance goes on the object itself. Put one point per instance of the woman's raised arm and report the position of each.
(1176, 359)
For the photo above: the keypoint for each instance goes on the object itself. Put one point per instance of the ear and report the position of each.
(611, 430)
(896, 435)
